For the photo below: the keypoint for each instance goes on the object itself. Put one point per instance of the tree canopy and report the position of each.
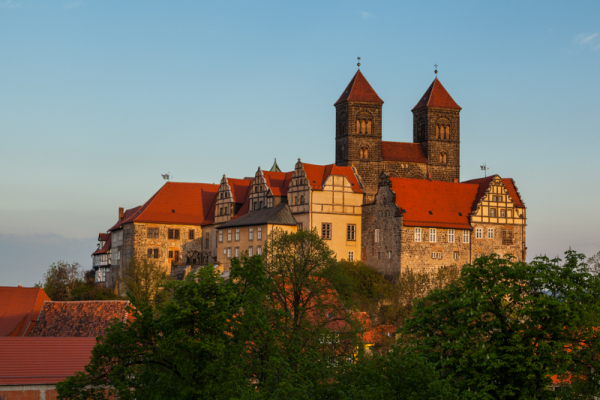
(65, 281)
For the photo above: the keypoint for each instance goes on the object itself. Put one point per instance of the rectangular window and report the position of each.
(450, 235)
(207, 241)
(439, 256)
(326, 231)
(502, 213)
(149, 253)
(350, 256)
(250, 251)
(491, 233)
(220, 236)
(150, 233)
(176, 256)
(259, 233)
(173, 233)
(170, 253)
(237, 252)
(229, 235)
(479, 233)
(389, 255)
(299, 226)
(456, 255)
(376, 235)
(433, 255)
(229, 252)
(259, 250)
(465, 236)
(237, 234)
(250, 233)
(351, 232)
(191, 234)
(155, 233)
(155, 253)
(417, 234)
(492, 212)
(379, 255)
(507, 236)
(432, 235)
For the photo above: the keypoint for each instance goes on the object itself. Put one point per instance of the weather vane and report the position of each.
(485, 168)
(435, 65)
(358, 63)
(167, 176)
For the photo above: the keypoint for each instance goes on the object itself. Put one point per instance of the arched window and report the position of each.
(437, 132)
(447, 132)
(443, 158)
(368, 127)
(364, 153)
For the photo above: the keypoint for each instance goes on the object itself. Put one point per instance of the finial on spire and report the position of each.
(358, 63)
(435, 65)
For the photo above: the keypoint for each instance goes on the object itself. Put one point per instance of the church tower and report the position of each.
(358, 131)
(436, 126)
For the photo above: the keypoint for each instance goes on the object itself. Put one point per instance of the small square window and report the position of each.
(350, 256)
(502, 213)
(170, 253)
(479, 233)
(351, 232)
(149, 253)
(155, 253)
(490, 233)
(326, 231)
(191, 234)
(417, 234)
(150, 233)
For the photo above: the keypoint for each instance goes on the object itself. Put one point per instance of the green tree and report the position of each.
(68, 282)
(144, 279)
(505, 327)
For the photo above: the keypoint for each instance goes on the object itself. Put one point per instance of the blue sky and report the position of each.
(98, 98)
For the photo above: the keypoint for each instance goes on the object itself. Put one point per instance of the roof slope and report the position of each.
(27, 360)
(240, 188)
(359, 90)
(509, 183)
(278, 182)
(106, 246)
(19, 307)
(399, 151)
(279, 215)
(435, 203)
(78, 318)
(127, 217)
(436, 96)
(317, 175)
(179, 203)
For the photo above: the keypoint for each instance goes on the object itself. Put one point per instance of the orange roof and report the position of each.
(436, 96)
(359, 90)
(399, 151)
(78, 318)
(435, 203)
(178, 203)
(27, 360)
(278, 182)
(103, 236)
(127, 217)
(240, 188)
(19, 308)
(509, 183)
(106, 246)
(317, 175)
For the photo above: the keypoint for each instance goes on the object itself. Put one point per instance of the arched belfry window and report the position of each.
(363, 124)
(364, 153)
(442, 129)
(443, 158)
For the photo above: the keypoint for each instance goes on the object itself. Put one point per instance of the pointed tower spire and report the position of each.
(275, 167)
(359, 90)
(436, 96)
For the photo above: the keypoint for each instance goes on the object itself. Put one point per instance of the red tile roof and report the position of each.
(317, 175)
(106, 246)
(278, 182)
(359, 90)
(240, 188)
(178, 203)
(19, 309)
(127, 217)
(399, 151)
(434, 203)
(509, 183)
(78, 318)
(103, 237)
(27, 360)
(436, 96)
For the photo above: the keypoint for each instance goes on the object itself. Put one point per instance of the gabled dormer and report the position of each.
(498, 202)
(299, 192)
(231, 198)
(269, 189)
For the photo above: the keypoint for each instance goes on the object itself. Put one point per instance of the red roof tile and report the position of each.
(509, 183)
(127, 217)
(19, 308)
(359, 90)
(278, 182)
(434, 203)
(178, 203)
(106, 246)
(317, 175)
(27, 360)
(78, 318)
(240, 188)
(436, 96)
(399, 151)
(103, 237)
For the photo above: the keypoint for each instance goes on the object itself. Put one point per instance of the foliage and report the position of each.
(505, 327)
(594, 263)
(67, 282)
(143, 279)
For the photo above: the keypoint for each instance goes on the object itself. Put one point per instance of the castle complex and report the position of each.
(393, 205)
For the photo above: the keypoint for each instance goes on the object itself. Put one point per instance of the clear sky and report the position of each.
(98, 98)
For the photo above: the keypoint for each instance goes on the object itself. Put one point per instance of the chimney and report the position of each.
(121, 213)
(455, 180)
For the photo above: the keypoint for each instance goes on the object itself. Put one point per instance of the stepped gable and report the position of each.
(107, 239)
(19, 309)
(436, 96)
(28, 360)
(435, 204)
(404, 152)
(509, 183)
(178, 203)
(359, 90)
(127, 217)
(78, 318)
(317, 175)
(278, 182)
